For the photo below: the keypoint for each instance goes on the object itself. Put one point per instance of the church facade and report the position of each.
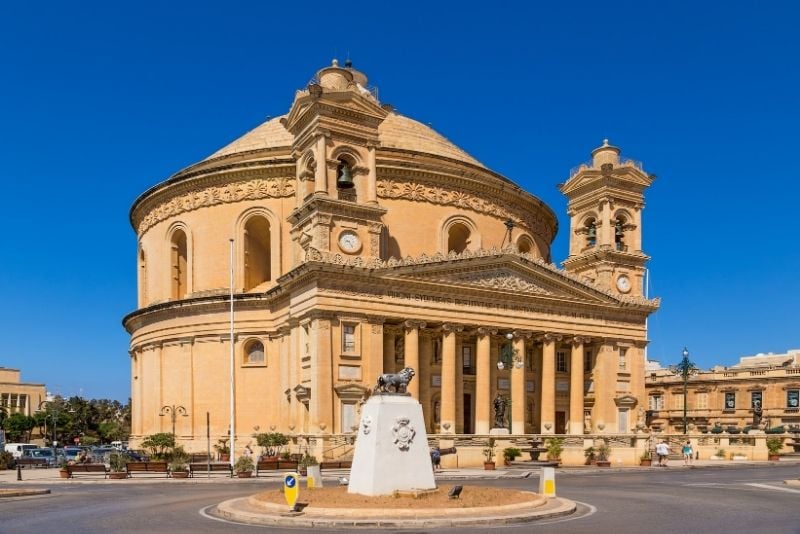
(363, 242)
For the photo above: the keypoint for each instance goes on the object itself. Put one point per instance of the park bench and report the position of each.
(197, 467)
(87, 469)
(332, 464)
(33, 462)
(147, 468)
(275, 465)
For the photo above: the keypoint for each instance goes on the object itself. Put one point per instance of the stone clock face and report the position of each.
(624, 283)
(349, 241)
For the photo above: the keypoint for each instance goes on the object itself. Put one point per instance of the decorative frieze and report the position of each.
(257, 189)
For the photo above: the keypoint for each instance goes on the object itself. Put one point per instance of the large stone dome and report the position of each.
(395, 132)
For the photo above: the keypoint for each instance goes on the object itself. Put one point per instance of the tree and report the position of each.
(19, 427)
(159, 443)
(272, 442)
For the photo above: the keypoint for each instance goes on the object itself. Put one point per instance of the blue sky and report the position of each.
(98, 102)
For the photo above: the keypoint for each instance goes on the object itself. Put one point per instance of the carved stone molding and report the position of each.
(485, 331)
(581, 340)
(452, 328)
(410, 324)
(550, 337)
(235, 192)
(451, 196)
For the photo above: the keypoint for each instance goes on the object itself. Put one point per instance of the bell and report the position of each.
(592, 232)
(344, 179)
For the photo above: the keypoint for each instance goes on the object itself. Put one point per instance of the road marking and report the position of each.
(775, 488)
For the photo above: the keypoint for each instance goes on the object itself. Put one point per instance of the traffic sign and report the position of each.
(291, 489)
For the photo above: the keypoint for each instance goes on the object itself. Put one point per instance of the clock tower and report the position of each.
(605, 202)
(334, 122)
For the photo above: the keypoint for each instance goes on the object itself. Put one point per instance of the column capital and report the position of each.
(412, 324)
(452, 327)
(485, 331)
(376, 319)
(581, 340)
(550, 337)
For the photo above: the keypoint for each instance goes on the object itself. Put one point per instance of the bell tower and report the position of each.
(335, 121)
(605, 202)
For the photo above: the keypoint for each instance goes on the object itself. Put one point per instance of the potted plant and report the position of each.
(719, 455)
(488, 455)
(178, 468)
(510, 454)
(554, 446)
(117, 464)
(305, 462)
(244, 467)
(591, 455)
(774, 446)
(646, 459)
(603, 454)
(62, 469)
(223, 450)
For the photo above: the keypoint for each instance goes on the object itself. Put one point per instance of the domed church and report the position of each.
(343, 240)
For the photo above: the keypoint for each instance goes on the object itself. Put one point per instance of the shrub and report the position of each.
(603, 452)
(159, 443)
(488, 451)
(775, 430)
(308, 460)
(554, 446)
(6, 460)
(117, 461)
(272, 442)
(511, 453)
(244, 465)
(716, 429)
(733, 429)
(720, 453)
(774, 445)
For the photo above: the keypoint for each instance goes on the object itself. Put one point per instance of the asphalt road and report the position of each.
(729, 500)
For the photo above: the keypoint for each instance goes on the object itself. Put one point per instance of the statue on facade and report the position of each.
(587, 423)
(758, 412)
(395, 382)
(499, 412)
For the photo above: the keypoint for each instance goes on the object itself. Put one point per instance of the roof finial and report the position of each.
(335, 62)
(605, 142)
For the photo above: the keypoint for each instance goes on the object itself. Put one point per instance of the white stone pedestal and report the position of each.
(499, 432)
(391, 449)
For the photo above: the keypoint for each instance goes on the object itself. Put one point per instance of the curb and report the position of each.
(6, 494)
(239, 511)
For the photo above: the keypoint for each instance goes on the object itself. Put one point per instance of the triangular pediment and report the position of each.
(508, 274)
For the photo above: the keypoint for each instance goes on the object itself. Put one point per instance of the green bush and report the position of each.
(775, 430)
(511, 453)
(774, 445)
(6, 460)
(272, 442)
(117, 461)
(244, 465)
(554, 446)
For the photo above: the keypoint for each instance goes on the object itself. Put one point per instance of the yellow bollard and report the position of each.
(547, 482)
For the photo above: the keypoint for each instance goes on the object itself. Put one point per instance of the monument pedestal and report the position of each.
(499, 432)
(391, 451)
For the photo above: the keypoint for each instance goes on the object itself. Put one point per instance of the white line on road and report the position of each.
(776, 488)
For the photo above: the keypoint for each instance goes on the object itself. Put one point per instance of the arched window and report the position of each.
(619, 233)
(180, 263)
(257, 255)
(591, 232)
(526, 245)
(254, 352)
(142, 278)
(458, 238)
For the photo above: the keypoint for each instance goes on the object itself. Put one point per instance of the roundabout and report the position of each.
(335, 508)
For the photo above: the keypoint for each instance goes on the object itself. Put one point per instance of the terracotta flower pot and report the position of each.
(645, 463)
(603, 463)
(180, 474)
(63, 473)
(118, 475)
(244, 474)
(488, 466)
(774, 457)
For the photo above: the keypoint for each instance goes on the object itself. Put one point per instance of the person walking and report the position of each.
(662, 451)
(687, 453)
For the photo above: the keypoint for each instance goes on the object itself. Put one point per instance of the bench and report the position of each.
(214, 467)
(346, 464)
(276, 465)
(87, 469)
(147, 467)
(33, 462)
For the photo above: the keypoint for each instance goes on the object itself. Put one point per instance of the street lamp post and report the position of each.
(173, 412)
(684, 369)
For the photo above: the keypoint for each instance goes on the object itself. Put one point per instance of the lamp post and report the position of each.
(173, 412)
(684, 369)
(55, 420)
(508, 358)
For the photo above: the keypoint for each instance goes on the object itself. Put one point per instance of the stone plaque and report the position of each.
(349, 372)
(562, 385)
(503, 383)
(436, 381)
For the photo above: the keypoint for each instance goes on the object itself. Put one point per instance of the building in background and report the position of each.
(725, 397)
(17, 396)
(364, 243)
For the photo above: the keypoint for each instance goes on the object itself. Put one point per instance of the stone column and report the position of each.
(412, 354)
(548, 402)
(459, 428)
(373, 355)
(423, 377)
(284, 348)
(372, 176)
(448, 415)
(608, 225)
(518, 386)
(576, 387)
(321, 174)
(483, 377)
(604, 411)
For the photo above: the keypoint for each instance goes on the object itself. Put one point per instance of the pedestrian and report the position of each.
(436, 459)
(662, 451)
(687, 453)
